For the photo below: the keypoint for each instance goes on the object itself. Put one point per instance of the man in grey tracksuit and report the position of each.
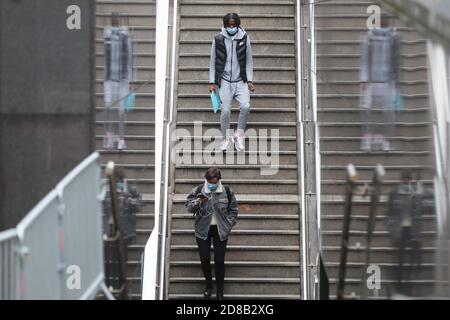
(379, 77)
(231, 73)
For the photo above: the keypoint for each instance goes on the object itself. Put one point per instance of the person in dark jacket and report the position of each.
(129, 202)
(406, 204)
(231, 72)
(215, 212)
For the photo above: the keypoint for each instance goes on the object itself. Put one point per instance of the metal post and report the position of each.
(117, 232)
(351, 179)
(377, 181)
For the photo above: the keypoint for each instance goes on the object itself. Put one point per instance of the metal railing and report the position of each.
(300, 37)
(154, 253)
(309, 174)
(115, 247)
(167, 143)
(377, 181)
(350, 189)
(56, 251)
(9, 280)
(439, 89)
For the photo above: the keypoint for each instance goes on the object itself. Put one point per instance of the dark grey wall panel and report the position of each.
(47, 99)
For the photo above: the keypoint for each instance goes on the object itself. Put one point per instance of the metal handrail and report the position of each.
(117, 235)
(46, 241)
(441, 114)
(307, 115)
(351, 180)
(300, 147)
(153, 284)
(439, 90)
(317, 164)
(377, 181)
(167, 152)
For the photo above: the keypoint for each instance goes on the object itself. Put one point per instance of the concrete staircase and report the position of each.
(262, 260)
(340, 26)
(138, 158)
(263, 250)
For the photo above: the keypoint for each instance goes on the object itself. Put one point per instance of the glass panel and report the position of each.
(374, 109)
(125, 64)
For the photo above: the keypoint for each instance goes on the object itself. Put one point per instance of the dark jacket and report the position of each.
(231, 58)
(405, 201)
(380, 57)
(225, 211)
(128, 204)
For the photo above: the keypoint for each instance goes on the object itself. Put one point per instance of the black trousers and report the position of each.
(204, 247)
(404, 273)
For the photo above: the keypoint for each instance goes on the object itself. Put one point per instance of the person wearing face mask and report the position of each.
(403, 214)
(231, 75)
(215, 211)
(129, 203)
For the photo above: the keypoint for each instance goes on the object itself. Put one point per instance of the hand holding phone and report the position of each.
(201, 197)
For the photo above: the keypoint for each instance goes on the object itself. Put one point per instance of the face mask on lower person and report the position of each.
(213, 186)
(120, 186)
(232, 31)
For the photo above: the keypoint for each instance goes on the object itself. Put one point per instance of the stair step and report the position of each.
(273, 8)
(379, 254)
(193, 296)
(259, 223)
(244, 186)
(238, 286)
(250, 237)
(249, 269)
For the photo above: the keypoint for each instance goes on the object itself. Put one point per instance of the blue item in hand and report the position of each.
(215, 101)
(130, 102)
(398, 102)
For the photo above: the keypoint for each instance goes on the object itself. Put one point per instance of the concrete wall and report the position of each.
(47, 99)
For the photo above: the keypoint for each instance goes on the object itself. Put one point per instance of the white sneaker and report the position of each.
(225, 143)
(239, 141)
(121, 144)
(108, 141)
(366, 142)
(386, 145)
(377, 142)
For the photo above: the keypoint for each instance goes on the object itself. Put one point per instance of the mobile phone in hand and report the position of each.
(201, 196)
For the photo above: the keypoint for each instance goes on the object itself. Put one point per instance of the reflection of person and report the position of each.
(215, 209)
(379, 77)
(128, 201)
(231, 69)
(128, 204)
(118, 74)
(405, 207)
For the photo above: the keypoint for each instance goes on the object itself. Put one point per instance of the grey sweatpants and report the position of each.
(114, 96)
(382, 121)
(227, 92)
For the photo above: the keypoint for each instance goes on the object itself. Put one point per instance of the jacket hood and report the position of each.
(239, 35)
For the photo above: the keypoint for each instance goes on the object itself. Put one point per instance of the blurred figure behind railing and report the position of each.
(120, 236)
(407, 205)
